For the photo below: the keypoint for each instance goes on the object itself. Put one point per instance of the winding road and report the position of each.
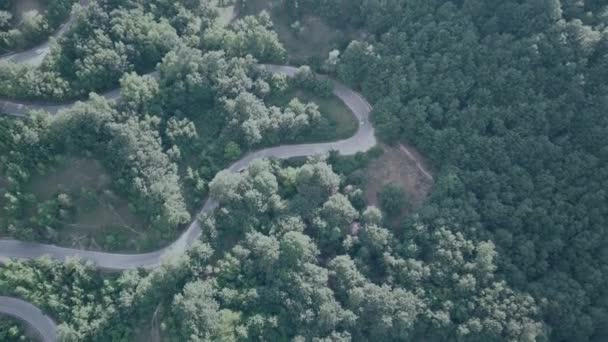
(44, 325)
(35, 55)
(363, 140)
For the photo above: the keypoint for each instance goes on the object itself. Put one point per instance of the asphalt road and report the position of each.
(363, 140)
(44, 326)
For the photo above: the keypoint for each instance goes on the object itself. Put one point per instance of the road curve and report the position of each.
(44, 326)
(363, 140)
(35, 55)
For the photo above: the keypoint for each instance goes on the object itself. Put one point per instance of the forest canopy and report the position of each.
(24, 29)
(506, 99)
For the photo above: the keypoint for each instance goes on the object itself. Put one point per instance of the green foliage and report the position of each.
(232, 151)
(119, 37)
(251, 35)
(130, 149)
(392, 199)
(505, 97)
(138, 156)
(12, 330)
(275, 282)
(139, 94)
(228, 94)
(348, 165)
(306, 79)
(73, 292)
(58, 10)
(33, 27)
(204, 320)
(202, 113)
(92, 305)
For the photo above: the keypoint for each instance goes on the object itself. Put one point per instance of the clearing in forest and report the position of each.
(70, 175)
(402, 166)
(309, 37)
(91, 214)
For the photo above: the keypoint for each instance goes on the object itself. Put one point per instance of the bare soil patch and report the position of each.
(403, 166)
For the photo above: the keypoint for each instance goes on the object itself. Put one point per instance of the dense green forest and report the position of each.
(287, 256)
(19, 31)
(111, 38)
(504, 98)
(507, 98)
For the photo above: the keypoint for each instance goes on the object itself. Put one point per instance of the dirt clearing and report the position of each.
(403, 166)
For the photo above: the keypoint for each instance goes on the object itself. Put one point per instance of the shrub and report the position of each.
(392, 199)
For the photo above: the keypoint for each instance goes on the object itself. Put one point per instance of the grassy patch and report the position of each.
(76, 202)
(311, 39)
(70, 175)
(108, 224)
(338, 121)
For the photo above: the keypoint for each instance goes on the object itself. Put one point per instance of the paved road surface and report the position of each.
(362, 141)
(44, 326)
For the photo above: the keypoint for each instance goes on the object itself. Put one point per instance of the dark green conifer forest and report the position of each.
(507, 98)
